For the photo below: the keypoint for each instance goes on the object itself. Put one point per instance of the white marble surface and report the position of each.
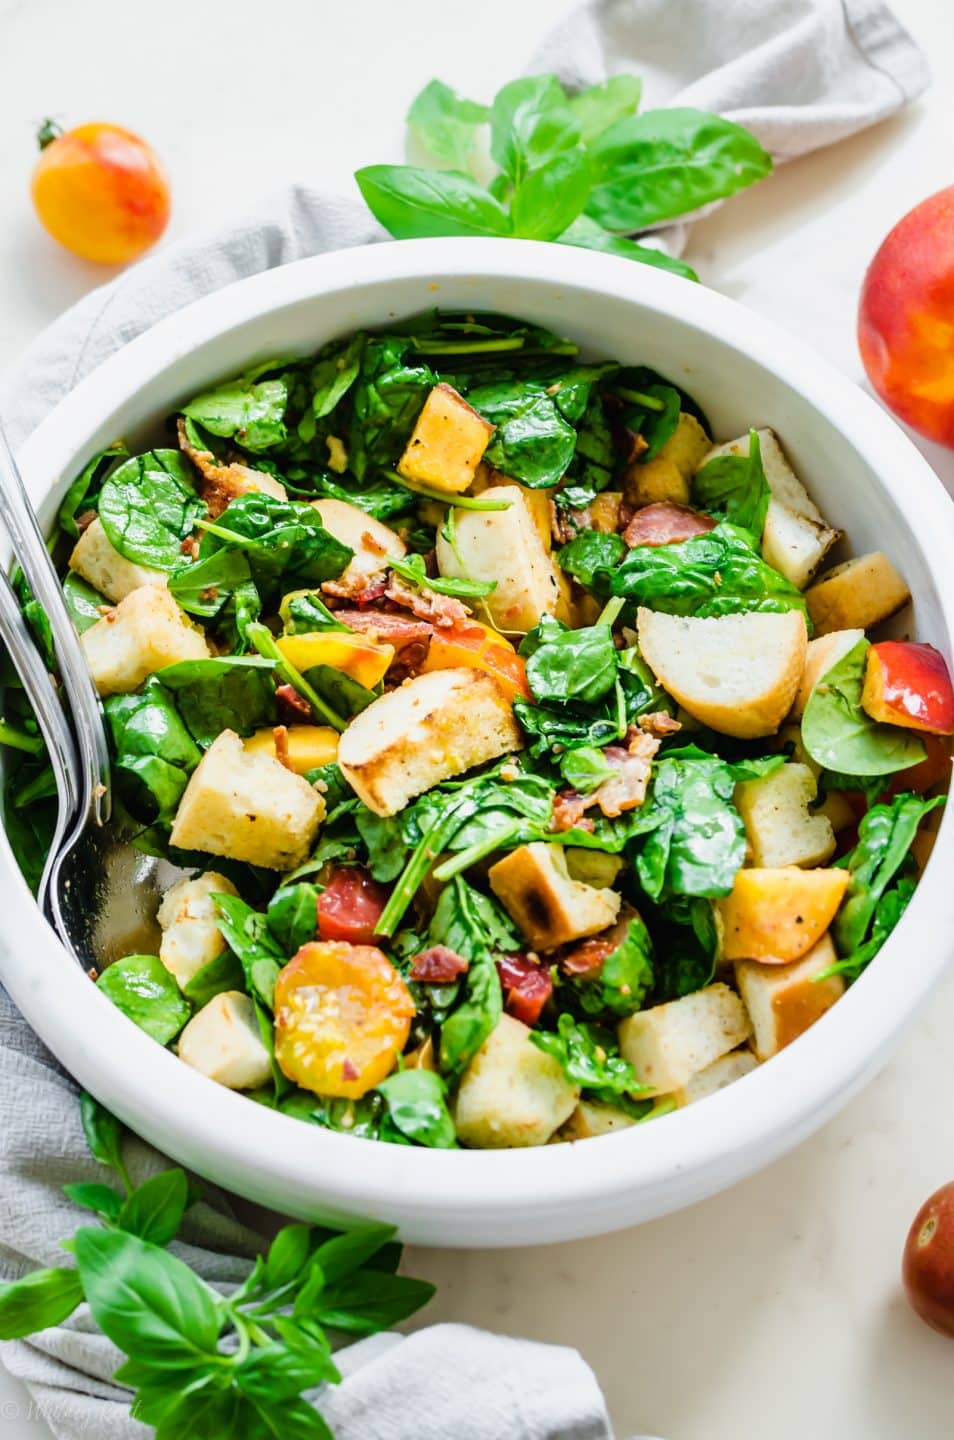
(774, 1309)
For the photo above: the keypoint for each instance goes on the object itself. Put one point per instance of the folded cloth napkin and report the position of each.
(801, 74)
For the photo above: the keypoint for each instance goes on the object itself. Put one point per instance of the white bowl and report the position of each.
(866, 477)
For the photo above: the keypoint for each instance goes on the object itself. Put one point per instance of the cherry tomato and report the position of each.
(101, 192)
(342, 1016)
(928, 1265)
(527, 987)
(350, 906)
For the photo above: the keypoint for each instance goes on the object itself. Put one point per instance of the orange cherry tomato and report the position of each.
(480, 648)
(342, 1016)
(101, 192)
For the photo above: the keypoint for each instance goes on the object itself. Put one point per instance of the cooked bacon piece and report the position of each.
(280, 736)
(360, 589)
(568, 808)
(666, 524)
(586, 959)
(409, 662)
(527, 986)
(289, 700)
(396, 630)
(221, 484)
(659, 723)
(441, 610)
(626, 787)
(438, 965)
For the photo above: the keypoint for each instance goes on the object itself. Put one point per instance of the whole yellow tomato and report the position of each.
(100, 191)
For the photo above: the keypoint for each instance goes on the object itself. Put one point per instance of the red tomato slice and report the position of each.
(350, 906)
(527, 987)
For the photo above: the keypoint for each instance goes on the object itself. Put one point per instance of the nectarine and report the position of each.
(909, 684)
(906, 318)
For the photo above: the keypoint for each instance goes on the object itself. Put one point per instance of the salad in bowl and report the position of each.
(528, 766)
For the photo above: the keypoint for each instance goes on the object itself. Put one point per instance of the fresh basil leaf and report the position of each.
(275, 1375)
(154, 1210)
(252, 413)
(530, 122)
(588, 1055)
(371, 1300)
(146, 1301)
(246, 932)
(567, 664)
(885, 835)
(550, 197)
(38, 1301)
(341, 1255)
(102, 1198)
(600, 106)
(229, 692)
(411, 203)
(417, 1105)
(86, 605)
(840, 735)
(663, 163)
(143, 989)
(445, 124)
(292, 916)
(287, 1256)
(734, 488)
(103, 1133)
(148, 506)
(84, 491)
(586, 234)
(215, 978)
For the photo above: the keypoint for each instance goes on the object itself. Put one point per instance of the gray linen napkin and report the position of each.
(801, 74)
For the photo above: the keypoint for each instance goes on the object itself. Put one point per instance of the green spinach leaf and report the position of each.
(284, 542)
(565, 664)
(247, 410)
(292, 916)
(247, 933)
(229, 692)
(84, 491)
(86, 605)
(885, 835)
(588, 1055)
(734, 488)
(155, 753)
(840, 735)
(626, 975)
(148, 506)
(417, 1106)
(143, 989)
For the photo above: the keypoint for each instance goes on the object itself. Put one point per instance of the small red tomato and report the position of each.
(527, 987)
(928, 1266)
(100, 191)
(350, 906)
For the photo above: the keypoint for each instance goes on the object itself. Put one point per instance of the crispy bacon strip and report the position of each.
(438, 965)
(221, 484)
(666, 524)
(441, 610)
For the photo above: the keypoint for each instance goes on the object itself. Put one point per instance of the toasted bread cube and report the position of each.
(737, 673)
(781, 829)
(784, 1000)
(592, 1118)
(223, 1042)
(372, 541)
(512, 1093)
(447, 443)
(144, 633)
(856, 595)
(503, 546)
(647, 482)
(820, 657)
(796, 537)
(776, 916)
(249, 807)
(431, 728)
(838, 811)
(534, 884)
(303, 747)
(717, 1076)
(670, 1043)
(100, 564)
(538, 501)
(189, 921)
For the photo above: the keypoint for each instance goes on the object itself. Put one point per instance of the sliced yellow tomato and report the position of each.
(479, 647)
(364, 660)
(342, 1016)
(305, 747)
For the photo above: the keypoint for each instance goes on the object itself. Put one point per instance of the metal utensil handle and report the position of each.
(18, 516)
(41, 692)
